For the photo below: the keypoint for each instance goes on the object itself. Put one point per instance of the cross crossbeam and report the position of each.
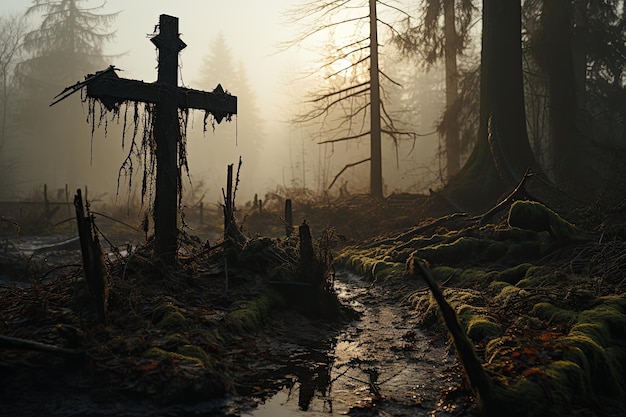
(112, 90)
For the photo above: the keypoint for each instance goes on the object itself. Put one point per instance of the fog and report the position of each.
(275, 152)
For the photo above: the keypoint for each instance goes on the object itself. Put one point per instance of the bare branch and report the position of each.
(334, 93)
(407, 133)
(394, 8)
(360, 135)
(344, 168)
(389, 78)
(326, 108)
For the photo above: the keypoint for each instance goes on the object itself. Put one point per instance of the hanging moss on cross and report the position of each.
(167, 99)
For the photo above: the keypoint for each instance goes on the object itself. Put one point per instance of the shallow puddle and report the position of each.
(381, 364)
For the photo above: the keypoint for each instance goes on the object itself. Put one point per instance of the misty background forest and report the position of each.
(428, 68)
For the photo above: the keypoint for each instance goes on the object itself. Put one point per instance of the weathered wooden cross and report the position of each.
(168, 97)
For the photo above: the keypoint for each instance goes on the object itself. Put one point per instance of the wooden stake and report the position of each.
(288, 218)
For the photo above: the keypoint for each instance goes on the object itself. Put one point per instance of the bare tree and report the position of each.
(12, 31)
(354, 93)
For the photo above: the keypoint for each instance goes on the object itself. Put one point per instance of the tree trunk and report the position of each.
(559, 65)
(453, 146)
(502, 152)
(376, 172)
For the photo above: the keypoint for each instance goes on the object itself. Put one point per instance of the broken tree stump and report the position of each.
(288, 218)
(94, 264)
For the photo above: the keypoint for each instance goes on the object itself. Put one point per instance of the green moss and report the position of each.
(172, 320)
(443, 273)
(604, 322)
(567, 383)
(603, 373)
(514, 274)
(160, 354)
(514, 234)
(548, 312)
(540, 276)
(547, 392)
(475, 278)
(175, 339)
(193, 351)
(509, 294)
(384, 269)
(249, 315)
(535, 216)
(480, 328)
(462, 250)
(596, 343)
(372, 263)
(495, 287)
(477, 324)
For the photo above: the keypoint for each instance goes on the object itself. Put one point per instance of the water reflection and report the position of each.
(316, 379)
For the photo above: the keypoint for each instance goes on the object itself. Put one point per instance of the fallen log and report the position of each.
(7, 342)
(490, 399)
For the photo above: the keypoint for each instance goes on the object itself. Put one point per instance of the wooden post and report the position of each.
(228, 203)
(307, 255)
(46, 202)
(167, 138)
(288, 218)
(67, 200)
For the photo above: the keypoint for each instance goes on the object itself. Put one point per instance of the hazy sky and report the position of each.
(252, 29)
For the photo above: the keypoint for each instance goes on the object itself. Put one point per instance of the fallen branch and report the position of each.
(479, 380)
(7, 342)
(519, 193)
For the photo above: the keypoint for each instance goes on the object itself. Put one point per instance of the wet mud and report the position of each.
(379, 364)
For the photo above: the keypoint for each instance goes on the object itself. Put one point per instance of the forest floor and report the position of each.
(542, 300)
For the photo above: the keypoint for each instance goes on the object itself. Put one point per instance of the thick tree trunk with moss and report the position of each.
(502, 152)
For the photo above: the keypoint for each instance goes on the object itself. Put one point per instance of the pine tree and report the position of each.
(66, 46)
(243, 138)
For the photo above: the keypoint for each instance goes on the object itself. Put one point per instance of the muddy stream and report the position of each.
(380, 364)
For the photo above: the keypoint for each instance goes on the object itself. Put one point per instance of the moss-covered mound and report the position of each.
(170, 330)
(541, 301)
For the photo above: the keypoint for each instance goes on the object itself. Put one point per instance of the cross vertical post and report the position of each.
(167, 97)
(167, 137)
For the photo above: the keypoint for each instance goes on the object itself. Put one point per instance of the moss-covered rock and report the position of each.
(172, 320)
(514, 274)
(548, 312)
(250, 314)
(535, 216)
